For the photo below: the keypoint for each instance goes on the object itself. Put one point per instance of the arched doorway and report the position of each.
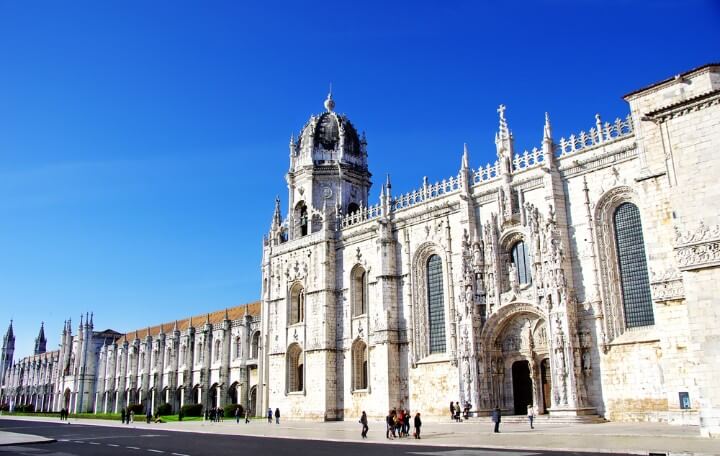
(66, 399)
(213, 396)
(522, 386)
(252, 399)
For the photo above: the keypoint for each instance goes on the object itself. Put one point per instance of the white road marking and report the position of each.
(93, 443)
(132, 448)
(155, 451)
(179, 454)
(113, 445)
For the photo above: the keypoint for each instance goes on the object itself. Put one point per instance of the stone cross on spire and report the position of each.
(504, 133)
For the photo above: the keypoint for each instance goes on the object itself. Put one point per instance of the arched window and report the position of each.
(218, 350)
(294, 368)
(301, 212)
(255, 345)
(200, 354)
(436, 304)
(297, 304)
(521, 260)
(632, 265)
(168, 356)
(359, 291)
(238, 347)
(181, 361)
(359, 365)
(352, 208)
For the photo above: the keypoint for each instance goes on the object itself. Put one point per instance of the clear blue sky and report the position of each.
(142, 142)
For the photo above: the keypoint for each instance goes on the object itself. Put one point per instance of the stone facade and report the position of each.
(210, 359)
(577, 276)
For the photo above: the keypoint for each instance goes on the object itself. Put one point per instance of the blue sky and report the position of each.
(142, 142)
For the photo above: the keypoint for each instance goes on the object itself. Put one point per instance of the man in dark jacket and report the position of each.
(496, 414)
(122, 416)
(417, 423)
(364, 422)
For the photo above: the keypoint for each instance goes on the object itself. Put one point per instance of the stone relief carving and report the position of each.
(667, 285)
(698, 248)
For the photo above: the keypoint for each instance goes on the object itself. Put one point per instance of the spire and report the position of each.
(329, 102)
(277, 215)
(91, 319)
(503, 131)
(175, 327)
(465, 158)
(40, 340)
(547, 130)
(9, 336)
(226, 314)
(388, 186)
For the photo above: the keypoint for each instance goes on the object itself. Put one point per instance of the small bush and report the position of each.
(138, 409)
(192, 410)
(26, 408)
(164, 409)
(4, 407)
(230, 410)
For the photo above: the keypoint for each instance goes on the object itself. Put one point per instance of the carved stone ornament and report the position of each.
(699, 248)
(667, 285)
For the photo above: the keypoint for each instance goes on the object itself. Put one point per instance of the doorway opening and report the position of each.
(546, 384)
(522, 386)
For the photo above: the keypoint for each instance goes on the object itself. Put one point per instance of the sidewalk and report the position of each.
(635, 438)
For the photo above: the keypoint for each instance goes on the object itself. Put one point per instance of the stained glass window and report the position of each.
(436, 305)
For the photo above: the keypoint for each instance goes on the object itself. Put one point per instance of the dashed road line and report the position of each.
(93, 443)
(155, 451)
(112, 445)
(132, 448)
(179, 454)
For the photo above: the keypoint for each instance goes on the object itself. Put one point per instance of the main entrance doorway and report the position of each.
(522, 386)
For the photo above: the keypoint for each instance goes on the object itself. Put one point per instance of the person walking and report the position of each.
(237, 415)
(531, 415)
(148, 416)
(452, 411)
(417, 423)
(457, 412)
(364, 422)
(247, 416)
(390, 424)
(269, 415)
(132, 416)
(122, 415)
(277, 415)
(496, 414)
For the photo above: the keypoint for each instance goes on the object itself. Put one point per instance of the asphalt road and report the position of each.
(77, 439)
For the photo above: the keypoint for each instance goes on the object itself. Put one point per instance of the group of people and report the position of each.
(398, 424)
(270, 415)
(455, 411)
(63, 414)
(215, 414)
(238, 412)
(127, 417)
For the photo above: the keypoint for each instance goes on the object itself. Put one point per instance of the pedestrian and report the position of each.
(452, 411)
(122, 415)
(364, 422)
(277, 416)
(269, 415)
(132, 416)
(531, 415)
(399, 422)
(496, 414)
(417, 423)
(237, 415)
(390, 425)
(457, 412)
(148, 416)
(247, 416)
(406, 423)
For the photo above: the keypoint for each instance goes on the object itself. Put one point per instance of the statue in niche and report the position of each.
(513, 276)
(586, 362)
(468, 299)
(476, 256)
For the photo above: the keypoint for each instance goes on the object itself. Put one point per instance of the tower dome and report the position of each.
(330, 136)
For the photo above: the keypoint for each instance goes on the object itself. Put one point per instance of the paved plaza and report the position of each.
(634, 438)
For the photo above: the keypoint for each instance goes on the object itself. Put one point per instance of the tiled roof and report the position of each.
(234, 313)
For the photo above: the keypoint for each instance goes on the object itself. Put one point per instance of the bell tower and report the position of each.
(40, 340)
(8, 348)
(328, 171)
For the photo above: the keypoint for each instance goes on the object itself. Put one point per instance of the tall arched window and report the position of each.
(359, 365)
(301, 212)
(200, 353)
(238, 347)
(255, 345)
(294, 368)
(218, 350)
(436, 304)
(521, 260)
(297, 304)
(181, 361)
(632, 264)
(359, 291)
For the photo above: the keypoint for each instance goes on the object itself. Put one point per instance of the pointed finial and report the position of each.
(292, 139)
(329, 102)
(226, 314)
(547, 131)
(465, 158)
(190, 325)
(503, 131)
(207, 318)
(175, 328)
(387, 183)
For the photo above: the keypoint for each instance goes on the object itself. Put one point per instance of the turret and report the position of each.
(8, 348)
(40, 340)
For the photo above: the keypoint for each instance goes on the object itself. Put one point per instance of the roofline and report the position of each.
(670, 79)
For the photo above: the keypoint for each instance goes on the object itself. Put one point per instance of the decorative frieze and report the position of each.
(667, 285)
(699, 248)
